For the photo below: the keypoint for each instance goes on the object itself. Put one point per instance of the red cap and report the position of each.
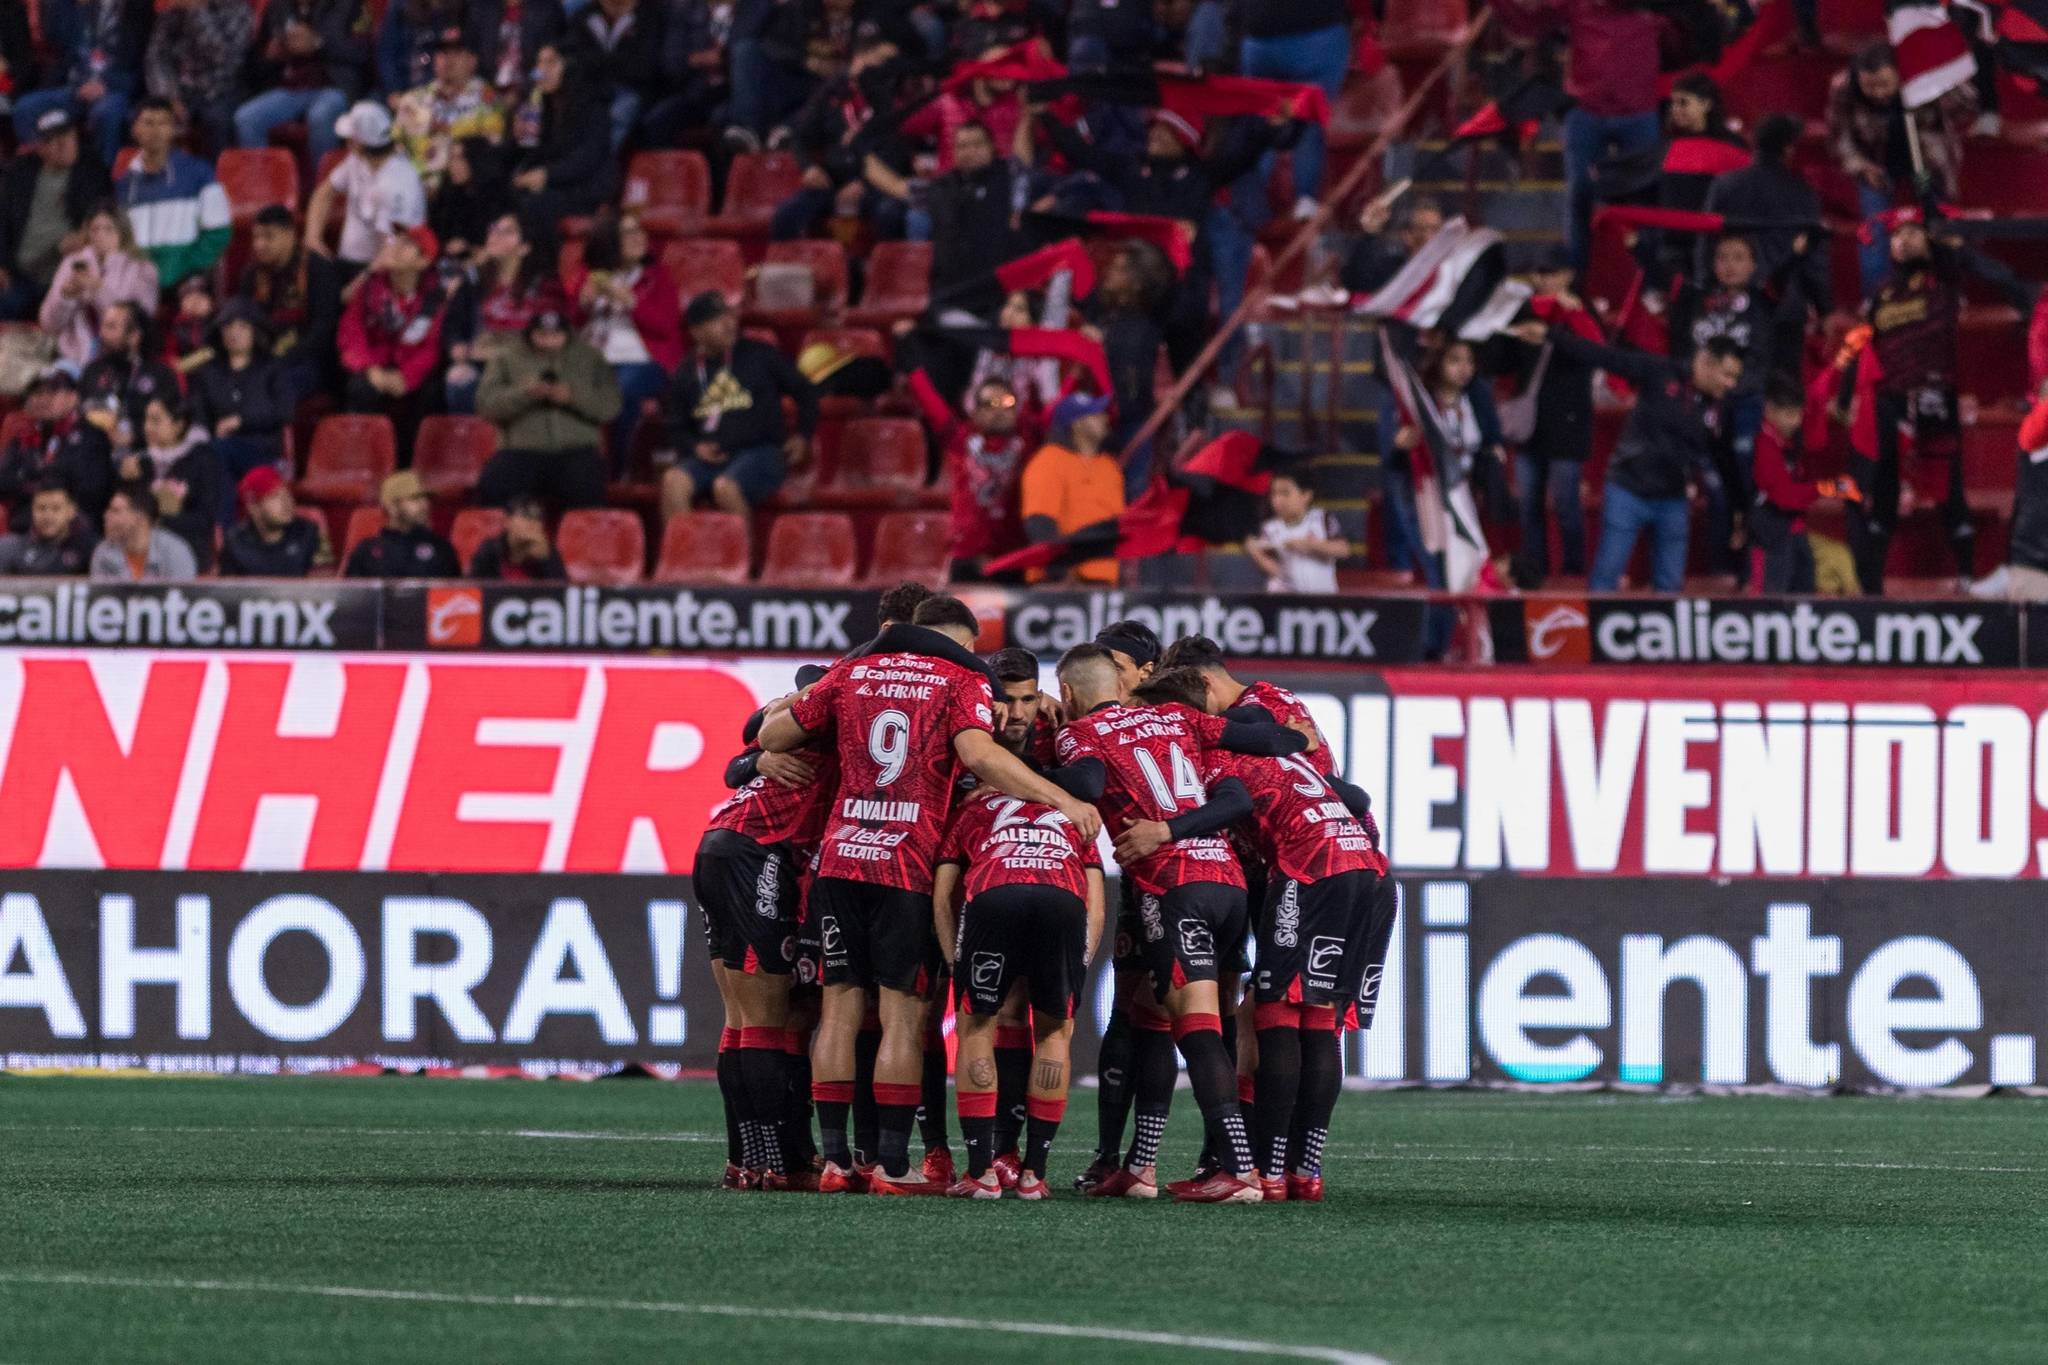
(259, 482)
(423, 237)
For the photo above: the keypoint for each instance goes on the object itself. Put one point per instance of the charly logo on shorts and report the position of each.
(985, 970)
(1287, 916)
(1369, 989)
(1197, 944)
(828, 937)
(1324, 957)
(768, 889)
(1148, 912)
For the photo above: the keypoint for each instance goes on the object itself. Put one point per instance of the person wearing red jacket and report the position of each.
(984, 454)
(390, 334)
(628, 308)
(1780, 555)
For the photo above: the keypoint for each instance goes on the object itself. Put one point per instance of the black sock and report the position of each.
(767, 1095)
(865, 1044)
(1215, 1084)
(1153, 1075)
(832, 1132)
(931, 1108)
(1038, 1136)
(1113, 1100)
(728, 1092)
(1013, 1076)
(1279, 1084)
(1211, 1159)
(796, 1073)
(894, 1133)
(1322, 1077)
(980, 1136)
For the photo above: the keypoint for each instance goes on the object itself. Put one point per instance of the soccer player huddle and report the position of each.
(916, 819)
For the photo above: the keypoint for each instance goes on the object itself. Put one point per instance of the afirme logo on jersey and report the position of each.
(1621, 630)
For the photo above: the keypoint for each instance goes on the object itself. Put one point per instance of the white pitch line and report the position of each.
(1517, 1158)
(1066, 1331)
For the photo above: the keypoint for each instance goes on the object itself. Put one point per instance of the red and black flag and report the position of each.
(2018, 30)
(1033, 270)
(1932, 55)
(1194, 98)
(1069, 348)
(1168, 234)
(1213, 497)
(1457, 284)
(1522, 92)
(1026, 61)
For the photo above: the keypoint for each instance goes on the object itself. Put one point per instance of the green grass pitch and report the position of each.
(386, 1219)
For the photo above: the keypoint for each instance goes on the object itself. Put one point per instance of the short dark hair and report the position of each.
(1722, 348)
(1301, 477)
(1741, 237)
(1776, 135)
(901, 602)
(153, 102)
(1783, 391)
(527, 507)
(1130, 637)
(1183, 685)
(1090, 653)
(276, 215)
(1874, 56)
(51, 484)
(937, 610)
(1014, 665)
(1191, 651)
(138, 495)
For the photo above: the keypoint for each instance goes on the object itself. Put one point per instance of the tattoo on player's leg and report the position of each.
(982, 1072)
(1047, 1075)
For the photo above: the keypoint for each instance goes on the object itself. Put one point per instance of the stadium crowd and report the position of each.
(961, 248)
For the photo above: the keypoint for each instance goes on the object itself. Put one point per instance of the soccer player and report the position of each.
(1148, 761)
(746, 878)
(1032, 915)
(1318, 901)
(901, 722)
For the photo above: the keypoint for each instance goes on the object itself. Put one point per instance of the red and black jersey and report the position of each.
(1300, 826)
(1154, 756)
(1003, 841)
(1289, 709)
(893, 718)
(1913, 320)
(769, 813)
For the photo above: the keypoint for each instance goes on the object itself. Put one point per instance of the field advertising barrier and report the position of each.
(257, 860)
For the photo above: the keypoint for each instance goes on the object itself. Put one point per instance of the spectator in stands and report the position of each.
(695, 35)
(521, 552)
(242, 395)
(1613, 84)
(561, 146)
(515, 282)
(177, 210)
(627, 309)
(116, 387)
(271, 540)
(1307, 41)
(550, 397)
(996, 105)
(188, 338)
(108, 269)
(1781, 556)
(472, 195)
(725, 415)
(622, 40)
(1867, 130)
(46, 195)
(1460, 408)
(1674, 436)
(1559, 429)
(983, 458)
(407, 546)
(298, 294)
(56, 443)
(1676, 174)
(136, 549)
(854, 164)
(1299, 545)
(1771, 190)
(390, 334)
(97, 46)
(380, 189)
(430, 119)
(1072, 482)
(58, 542)
(1129, 302)
(195, 61)
(1370, 264)
(974, 210)
(508, 35)
(177, 465)
(407, 39)
(311, 58)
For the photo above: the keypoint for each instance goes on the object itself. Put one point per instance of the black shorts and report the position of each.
(1365, 957)
(875, 935)
(810, 957)
(1123, 954)
(1303, 931)
(1039, 933)
(748, 894)
(1193, 932)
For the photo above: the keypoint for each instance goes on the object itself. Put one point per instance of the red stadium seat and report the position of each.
(2010, 181)
(810, 550)
(881, 462)
(256, 177)
(756, 184)
(910, 547)
(703, 547)
(898, 285)
(473, 526)
(352, 453)
(604, 545)
(364, 523)
(451, 452)
(1794, 83)
(1420, 30)
(669, 190)
(826, 262)
(698, 264)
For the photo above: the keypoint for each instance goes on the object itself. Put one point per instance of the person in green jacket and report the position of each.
(550, 396)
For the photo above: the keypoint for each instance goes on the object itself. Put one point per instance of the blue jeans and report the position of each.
(1874, 257)
(1623, 517)
(1555, 482)
(1229, 244)
(636, 383)
(1208, 35)
(625, 113)
(1319, 57)
(1586, 138)
(318, 109)
(106, 119)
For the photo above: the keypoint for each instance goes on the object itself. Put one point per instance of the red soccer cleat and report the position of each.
(906, 1185)
(967, 1188)
(1098, 1171)
(1203, 1175)
(735, 1178)
(771, 1182)
(836, 1179)
(1304, 1189)
(1223, 1188)
(1029, 1186)
(1008, 1169)
(1275, 1190)
(938, 1166)
(1125, 1184)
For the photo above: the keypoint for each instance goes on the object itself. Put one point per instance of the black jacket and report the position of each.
(634, 62)
(302, 301)
(129, 380)
(204, 477)
(25, 556)
(747, 407)
(345, 43)
(404, 554)
(79, 455)
(1674, 429)
(492, 559)
(540, 23)
(1183, 188)
(245, 554)
(973, 232)
(257, 394)
(1769, 191)
(86, 187)
(575, 146)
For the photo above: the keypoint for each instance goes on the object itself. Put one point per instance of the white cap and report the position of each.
(368, 123)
